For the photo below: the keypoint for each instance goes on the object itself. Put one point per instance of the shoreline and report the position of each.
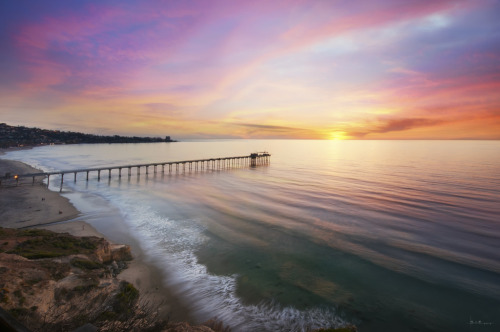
(36, 206)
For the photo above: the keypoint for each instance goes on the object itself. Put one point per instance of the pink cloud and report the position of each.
(102, 40)
(209, 60)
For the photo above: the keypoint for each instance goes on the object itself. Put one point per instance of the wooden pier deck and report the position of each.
(254, 159)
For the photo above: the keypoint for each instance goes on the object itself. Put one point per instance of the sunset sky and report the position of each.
(253, 69)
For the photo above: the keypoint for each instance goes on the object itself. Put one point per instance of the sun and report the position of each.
(338, 135)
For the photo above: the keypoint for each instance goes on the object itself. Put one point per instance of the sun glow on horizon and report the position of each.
(321, 70)
(338, 136)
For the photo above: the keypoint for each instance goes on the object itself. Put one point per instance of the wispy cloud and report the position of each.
(254, 68)
(394, 125)
(270, 131)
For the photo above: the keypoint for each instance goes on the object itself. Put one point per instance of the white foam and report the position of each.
(171, 245)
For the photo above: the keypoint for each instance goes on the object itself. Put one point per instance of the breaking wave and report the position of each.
(171, 244)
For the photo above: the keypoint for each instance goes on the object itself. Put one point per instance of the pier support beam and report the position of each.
(62, 180)
(255, 159)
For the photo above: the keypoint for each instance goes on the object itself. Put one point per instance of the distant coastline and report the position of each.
(20, 136)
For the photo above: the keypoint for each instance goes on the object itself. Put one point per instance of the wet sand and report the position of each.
(34, 205)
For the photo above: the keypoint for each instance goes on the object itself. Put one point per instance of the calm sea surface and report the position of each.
(389, 235)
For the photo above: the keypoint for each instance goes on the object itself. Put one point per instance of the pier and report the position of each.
(252, 160)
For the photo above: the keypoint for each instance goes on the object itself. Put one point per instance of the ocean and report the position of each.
(387, 235)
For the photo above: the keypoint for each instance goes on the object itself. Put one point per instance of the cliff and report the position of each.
(55, 281)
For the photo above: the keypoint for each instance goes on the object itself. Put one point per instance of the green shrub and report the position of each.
(46, 244)
(3, 295)
(84, 288)
(35, 232)
(125, 299)
(19, 312)
(38, 254)
(85, 264)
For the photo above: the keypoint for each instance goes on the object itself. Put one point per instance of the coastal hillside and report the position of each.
(15, 136)
(55, 281)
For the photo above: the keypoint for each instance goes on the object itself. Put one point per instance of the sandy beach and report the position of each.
(34, 205)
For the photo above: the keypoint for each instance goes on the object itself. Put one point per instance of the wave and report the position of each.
(171, 244)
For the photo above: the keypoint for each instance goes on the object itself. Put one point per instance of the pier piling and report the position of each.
(212, 164)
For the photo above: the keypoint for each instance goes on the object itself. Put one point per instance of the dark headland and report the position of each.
(18, 136)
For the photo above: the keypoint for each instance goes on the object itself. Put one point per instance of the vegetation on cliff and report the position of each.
(14, 136)
(55, 281)
(58, 282)
(52, 281)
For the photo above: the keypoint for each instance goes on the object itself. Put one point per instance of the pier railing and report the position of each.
(254, 159)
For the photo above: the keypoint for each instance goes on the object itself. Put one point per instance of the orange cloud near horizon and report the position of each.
(255, 70)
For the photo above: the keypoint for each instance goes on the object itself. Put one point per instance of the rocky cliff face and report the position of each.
(107, 252)
(49, 280)
(57, 282)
